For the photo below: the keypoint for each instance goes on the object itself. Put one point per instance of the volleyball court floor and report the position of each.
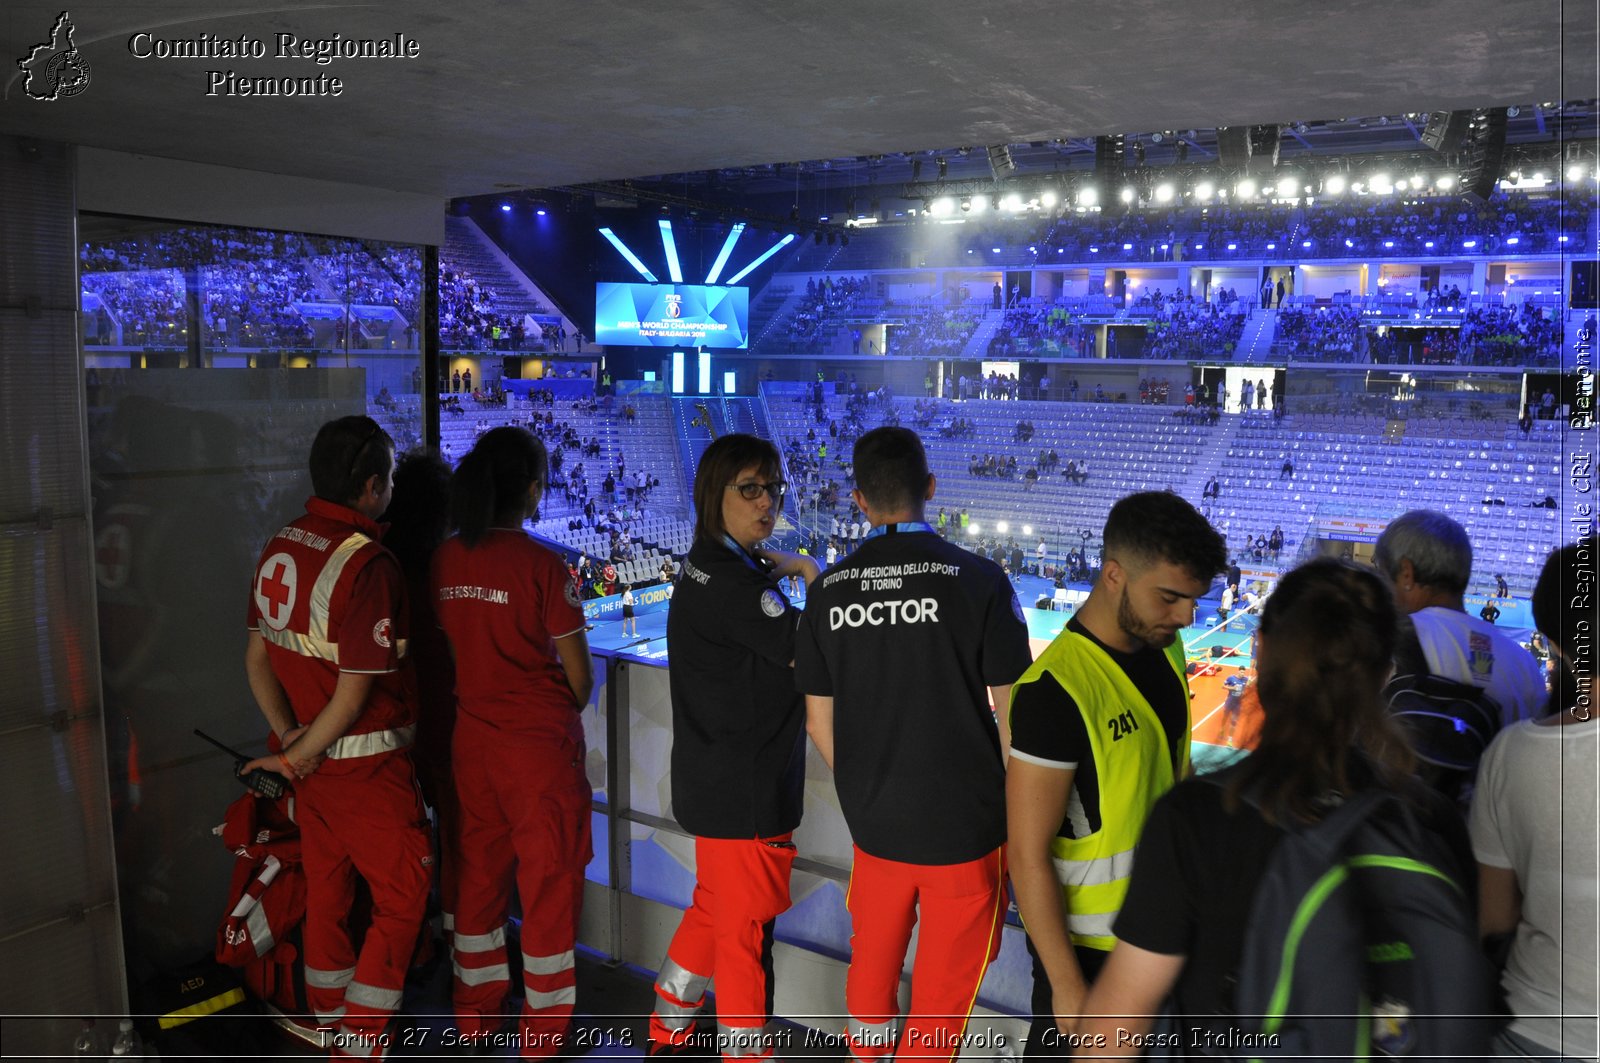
(1216, 654)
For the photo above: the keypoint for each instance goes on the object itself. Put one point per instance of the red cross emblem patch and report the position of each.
(276, 583)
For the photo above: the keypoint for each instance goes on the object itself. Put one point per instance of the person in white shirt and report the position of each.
(1534, 831)
(1428, 558)
(833, 552)
(628, 617)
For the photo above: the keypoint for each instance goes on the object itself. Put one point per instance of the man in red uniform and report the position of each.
(326, 664)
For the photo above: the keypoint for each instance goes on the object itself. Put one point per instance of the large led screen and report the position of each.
(671, 315)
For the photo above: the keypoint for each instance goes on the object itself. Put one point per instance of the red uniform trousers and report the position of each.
(364, 819)
(741, 885)
(963, 908)
(524, 807)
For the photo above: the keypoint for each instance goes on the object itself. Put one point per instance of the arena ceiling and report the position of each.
(562, 92)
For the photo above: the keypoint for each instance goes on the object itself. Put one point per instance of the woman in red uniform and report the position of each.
(522, 677)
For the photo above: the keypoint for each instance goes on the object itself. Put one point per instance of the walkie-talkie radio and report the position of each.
(261, 781)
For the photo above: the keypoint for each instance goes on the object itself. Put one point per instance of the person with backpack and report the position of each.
(1232, 866)
(523, 674)
(1533, 833)
(1457, 678)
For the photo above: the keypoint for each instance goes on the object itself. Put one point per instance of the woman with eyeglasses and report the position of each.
(523, 674)
(738, 750)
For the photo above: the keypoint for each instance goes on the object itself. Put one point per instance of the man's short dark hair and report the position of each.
(1436, 545)
(1154, 526)
(891, 468)
(346, 454)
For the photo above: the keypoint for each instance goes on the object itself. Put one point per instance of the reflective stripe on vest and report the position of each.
(1095, 872)
(1132, 772)
(371, 743)
(322, 590)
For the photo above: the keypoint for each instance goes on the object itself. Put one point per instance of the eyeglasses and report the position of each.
(750, 490)
(372, 434)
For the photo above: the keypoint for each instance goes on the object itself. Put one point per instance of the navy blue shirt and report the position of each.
(905, 635)
(738, 723)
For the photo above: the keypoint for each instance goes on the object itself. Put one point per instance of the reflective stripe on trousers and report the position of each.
(561, 961)
(538, 1001)
(479, 943)
(319, 979)
(545, 966)
(878, 1037)
(374, 997)
(679, 993)
(744, 1042)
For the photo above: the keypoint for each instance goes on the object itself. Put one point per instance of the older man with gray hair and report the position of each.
(1428, 558)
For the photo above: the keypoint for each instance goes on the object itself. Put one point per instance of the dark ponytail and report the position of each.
(490, 486)
(1328, 636)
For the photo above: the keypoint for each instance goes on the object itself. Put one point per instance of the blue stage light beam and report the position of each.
(722, 257)
(737, 277)
(633, 259)
(671, 245)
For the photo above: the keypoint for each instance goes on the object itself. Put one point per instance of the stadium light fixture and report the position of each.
(1446, 182)
(1204, 191)
(1003, 527)
(980, 204)
(1048, 199)
(1246, 188)
(505, 208)
(1334, 185)
(973, 529)
(1027, 529)
(1127, 194)
(670, 245)
(942, 207)
(727, 249)
(1287, 187)
(633, 259)
(1164, 192)
(1011, 203)
(768, 253)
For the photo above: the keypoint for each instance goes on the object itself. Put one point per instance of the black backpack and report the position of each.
(1361, 944)
(1449, 725)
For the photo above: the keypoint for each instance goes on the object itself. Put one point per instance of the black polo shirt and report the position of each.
(905, 636)
(738, 734)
